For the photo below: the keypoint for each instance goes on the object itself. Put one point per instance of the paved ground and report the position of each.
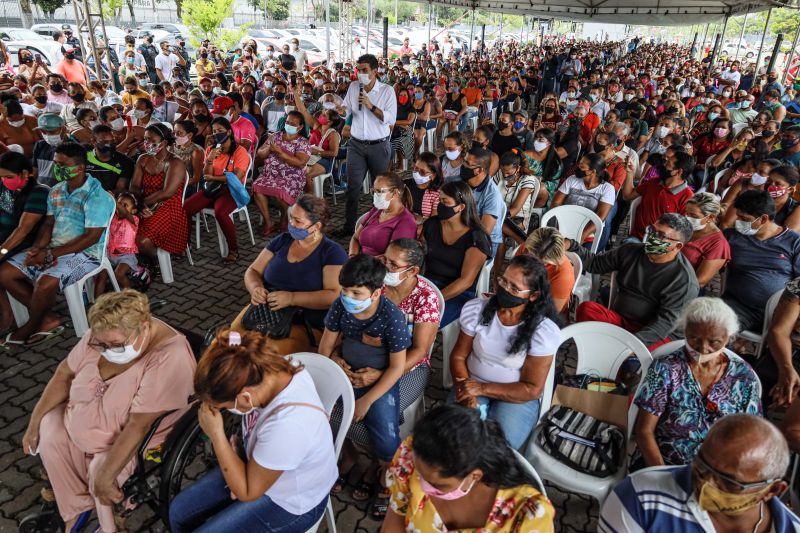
(201, 296)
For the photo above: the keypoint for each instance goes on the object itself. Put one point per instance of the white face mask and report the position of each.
(702, 357)
(328, 105)
(758, 179)
(540, 145)
(16, 123)
(452, 155)
(419, 179)
(52, 140)
(663, 131)
(379, 200)
(697, 223)
(392, 279)
(628, 97)
(93, 123)
(128, 353)
(118, 124)
(235, 411)
(137, 113)
(746, 104)
(745, 228)
(363, 78)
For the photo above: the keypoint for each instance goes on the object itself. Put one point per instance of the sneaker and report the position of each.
(340, 188)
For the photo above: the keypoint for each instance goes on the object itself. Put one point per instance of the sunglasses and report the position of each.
(705, 469)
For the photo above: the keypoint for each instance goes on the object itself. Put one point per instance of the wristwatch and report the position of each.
(3, 251)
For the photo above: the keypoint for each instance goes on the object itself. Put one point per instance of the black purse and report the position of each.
(212, 189)
(275, 324)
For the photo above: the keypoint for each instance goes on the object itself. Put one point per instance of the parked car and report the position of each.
(20, 34)
(730, 50)
(49, 29)
(49, 50)
(173, 28)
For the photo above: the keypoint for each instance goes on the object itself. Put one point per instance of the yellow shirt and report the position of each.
(520, 509)
(132, 98)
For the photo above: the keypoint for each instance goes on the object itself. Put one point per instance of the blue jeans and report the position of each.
(453, 306)
(383, 422)
(607, 229)
(206, 506)
(517, 420)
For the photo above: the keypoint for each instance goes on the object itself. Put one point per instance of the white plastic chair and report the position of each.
(319, 185)
(532, 471)
(414, 412)
(601, 349)
(244, 215)
(760, 338)
(164, 257)
(484, 278)
(331, 383)
(430, 137)
(572, 219)
(632, 213)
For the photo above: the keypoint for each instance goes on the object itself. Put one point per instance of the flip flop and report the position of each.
(44, 336)
(7, 343)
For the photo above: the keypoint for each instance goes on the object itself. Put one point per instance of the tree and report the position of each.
(27, 13)
(278, 9)
(49, 6)
(204, 19)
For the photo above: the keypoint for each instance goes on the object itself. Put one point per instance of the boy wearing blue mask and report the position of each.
(373, 335)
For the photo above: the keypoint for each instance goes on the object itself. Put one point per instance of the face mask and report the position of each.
(540, 145)
(788, 143)
(159, 101)
(138, 114)
(56, 88)
(106, 148)
(14, 183)
(419, 179)
(118, 124)
(298, 234)
(151, 148)
(758, 179)
(180, 140)
(713, 116)
(128, 354)
(291, 130)
(776, 191)
(143, 82)
(655, 246)
(220, 138)
(702, 357)
(402, 99)
(570, 94)
(697, 223)
(663, 131)
(328, 105)
(466, 174)
(363, 78)
(78, 97)
(745, 228)
(720, 132)
(518, 125)
(93, 123)
(16, 123)
(353, 306)
(392, 279)
(41, 99)
(235, 411)
(69, 56)
(505, 299)
(379, 200)
(445, 212)
(745, 104)
(452, 155)
(64, 172)
(52, 139)
(628, 97)
(433, 492)
(714, 500)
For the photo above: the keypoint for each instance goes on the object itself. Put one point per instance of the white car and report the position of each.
(50, 51)
(49, 29)
(730, 50)
(20, 34)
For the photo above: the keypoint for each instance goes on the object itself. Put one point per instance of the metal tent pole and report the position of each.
(327, 31)
(741, 35)
(790, 57)
(703, 44)
(430, 25)
(369, 19)
(472, 31)
(763, 36)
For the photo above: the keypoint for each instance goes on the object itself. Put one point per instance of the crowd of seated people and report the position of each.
(690, 167)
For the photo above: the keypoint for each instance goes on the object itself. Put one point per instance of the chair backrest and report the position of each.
(601, 350)
(484, 278)
(185, 187)
(438, 293)
(331, 383)
(613, 290)
(104, 238)
(577, 268)
(632, 213)
(572, 220)
(717, 177)
(532, 471)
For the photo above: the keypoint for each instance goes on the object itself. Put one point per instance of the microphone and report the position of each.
(360, 90)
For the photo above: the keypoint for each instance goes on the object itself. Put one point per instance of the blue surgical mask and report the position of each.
(291, 130)
(296, 233)
(353, 306)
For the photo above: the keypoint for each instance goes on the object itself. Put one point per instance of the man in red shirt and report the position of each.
(72, 69)
(243, 130)
(667, 195)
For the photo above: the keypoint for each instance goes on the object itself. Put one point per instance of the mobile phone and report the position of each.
(37, 57)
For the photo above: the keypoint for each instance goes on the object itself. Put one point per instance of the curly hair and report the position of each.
(535, 311)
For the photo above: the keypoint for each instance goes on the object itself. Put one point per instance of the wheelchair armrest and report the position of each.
(142, 449)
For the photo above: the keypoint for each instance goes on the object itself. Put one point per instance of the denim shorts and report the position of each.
(68, 269)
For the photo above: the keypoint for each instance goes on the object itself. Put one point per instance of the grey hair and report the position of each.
(622, 129)
(710, 310)
(760, 434)
(707, 203)
(679, 223)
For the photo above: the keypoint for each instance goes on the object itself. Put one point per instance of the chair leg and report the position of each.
(197, 231)
(189, 255)
(110, 271)
(77, 311)
(223, 244)
(165, 263)
(330, 517)
(20, 312)
(244, 212)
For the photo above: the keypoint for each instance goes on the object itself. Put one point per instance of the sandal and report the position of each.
(339, 486)
(380, 504)
(44, 336)
(367, 489)
(232, 258)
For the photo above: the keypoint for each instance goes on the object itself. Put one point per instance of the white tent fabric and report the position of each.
(640, 12)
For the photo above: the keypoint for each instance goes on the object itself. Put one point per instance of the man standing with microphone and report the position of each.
(372, 108)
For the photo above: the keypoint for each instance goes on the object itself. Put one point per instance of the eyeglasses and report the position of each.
(116, 348)
(704, 470)
(392, 266)
(503, 282)
(651, 230)
(382, 191)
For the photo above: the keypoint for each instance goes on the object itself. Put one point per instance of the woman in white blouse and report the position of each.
(505, 349)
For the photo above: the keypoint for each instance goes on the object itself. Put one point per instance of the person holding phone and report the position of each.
(32, 67)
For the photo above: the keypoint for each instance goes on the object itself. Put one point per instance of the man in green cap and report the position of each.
(52, 128)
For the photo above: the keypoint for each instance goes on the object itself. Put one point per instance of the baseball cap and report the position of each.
(70, 50)
(114, 99)
(66, 27)
(50, 121)
(222, 104)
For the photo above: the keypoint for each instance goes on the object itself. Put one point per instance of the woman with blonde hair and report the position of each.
(290, 464)
(547, 245)
(708, 251)
(103, 399)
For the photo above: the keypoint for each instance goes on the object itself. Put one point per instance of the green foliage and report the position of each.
(204, 19)
(278, 9)
(49, 6)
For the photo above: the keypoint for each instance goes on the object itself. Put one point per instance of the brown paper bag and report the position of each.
(609, 408)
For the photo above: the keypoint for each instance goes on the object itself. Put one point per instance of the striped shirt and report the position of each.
(662, 498)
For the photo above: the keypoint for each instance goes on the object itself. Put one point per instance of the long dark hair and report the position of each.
(535, 311)
(454, 440)
(551, 162)
(432, 162)
(462, 194)
(225, 123)
(16, 162)
(597, 163)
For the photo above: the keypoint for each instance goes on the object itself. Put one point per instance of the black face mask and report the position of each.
(466, 173)
(41, 99)
(56, 87)
(106, 148)
(70, 56)
(502, 125)
(26, 60)
(280, 96)
(445, 212)
(579, 173)
(204, 55)
(220, 138)
(207, 93)
(505, 299)
(78, 97)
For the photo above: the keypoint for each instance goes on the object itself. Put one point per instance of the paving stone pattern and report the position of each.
(201, 296)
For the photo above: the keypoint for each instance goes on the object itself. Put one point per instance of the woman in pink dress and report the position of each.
(102, 401)
(708, 251)
(282, 177)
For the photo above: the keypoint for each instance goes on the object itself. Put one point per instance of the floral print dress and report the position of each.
(520, 509)
(278, 178)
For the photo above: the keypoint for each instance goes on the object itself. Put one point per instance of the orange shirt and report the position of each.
(473, 95)
(562, 279)
(74, 71)
(225, 163)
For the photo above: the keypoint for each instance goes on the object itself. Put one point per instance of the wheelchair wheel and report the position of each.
(47, 520)
(189, 456)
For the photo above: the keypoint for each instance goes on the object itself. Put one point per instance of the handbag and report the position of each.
(581, 442)
(276, 324)
(212, 189)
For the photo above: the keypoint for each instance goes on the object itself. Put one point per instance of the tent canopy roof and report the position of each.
(637, 12)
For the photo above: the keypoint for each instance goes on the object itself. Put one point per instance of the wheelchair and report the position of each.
(160, 474)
